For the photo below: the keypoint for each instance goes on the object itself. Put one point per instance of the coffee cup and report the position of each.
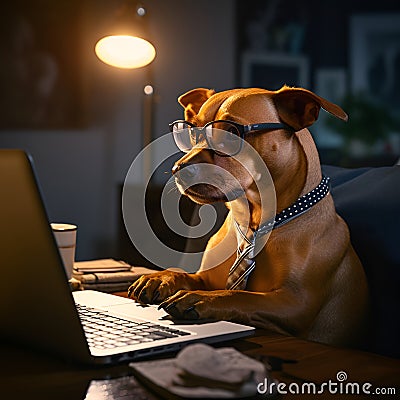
(65, 235)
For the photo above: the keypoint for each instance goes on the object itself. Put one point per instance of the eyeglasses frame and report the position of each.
(243, 130)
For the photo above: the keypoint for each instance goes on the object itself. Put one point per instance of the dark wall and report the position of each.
(353, 62)
(326, 36)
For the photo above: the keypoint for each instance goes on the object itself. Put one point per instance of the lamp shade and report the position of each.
(124, 46)
(125, 51)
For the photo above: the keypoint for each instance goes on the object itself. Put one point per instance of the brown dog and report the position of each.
(307, 280)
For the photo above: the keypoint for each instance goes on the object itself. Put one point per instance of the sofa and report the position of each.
(368, 199)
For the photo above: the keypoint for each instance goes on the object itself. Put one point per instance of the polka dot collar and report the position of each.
(299, 207)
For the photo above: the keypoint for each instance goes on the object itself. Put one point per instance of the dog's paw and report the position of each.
(157, 287)
(199, 304)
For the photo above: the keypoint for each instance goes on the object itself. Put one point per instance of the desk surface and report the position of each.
(32, 376)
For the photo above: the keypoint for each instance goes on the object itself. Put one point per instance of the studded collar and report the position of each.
(299, 207)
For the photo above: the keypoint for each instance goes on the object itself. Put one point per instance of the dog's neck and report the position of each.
(301, 174)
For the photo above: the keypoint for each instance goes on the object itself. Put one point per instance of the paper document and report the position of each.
(102, 265)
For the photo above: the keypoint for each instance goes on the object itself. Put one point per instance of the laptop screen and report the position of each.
(36, 306)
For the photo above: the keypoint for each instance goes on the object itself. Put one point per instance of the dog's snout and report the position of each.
(186, 171)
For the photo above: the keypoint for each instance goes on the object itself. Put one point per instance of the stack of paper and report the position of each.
(107, 275)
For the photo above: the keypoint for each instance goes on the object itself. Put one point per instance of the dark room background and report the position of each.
(82, 120)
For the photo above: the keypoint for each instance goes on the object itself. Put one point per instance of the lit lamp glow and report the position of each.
(125, 51)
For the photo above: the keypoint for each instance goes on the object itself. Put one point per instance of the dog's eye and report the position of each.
(227, 127)
(223, 138)
(233, 133)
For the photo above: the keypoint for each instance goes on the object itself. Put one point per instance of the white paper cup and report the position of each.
(65, 235)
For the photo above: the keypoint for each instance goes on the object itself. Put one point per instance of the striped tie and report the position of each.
(244, 263)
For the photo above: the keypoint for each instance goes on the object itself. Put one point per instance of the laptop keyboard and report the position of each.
(105, 331)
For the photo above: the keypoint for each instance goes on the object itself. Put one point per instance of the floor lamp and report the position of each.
(126, 47)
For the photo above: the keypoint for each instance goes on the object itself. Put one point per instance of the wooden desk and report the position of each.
(28, 375)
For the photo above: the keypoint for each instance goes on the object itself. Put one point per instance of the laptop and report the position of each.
(38, 309)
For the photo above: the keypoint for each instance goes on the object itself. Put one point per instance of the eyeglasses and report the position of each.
(225, 138)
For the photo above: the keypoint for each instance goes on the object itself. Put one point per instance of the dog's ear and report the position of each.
(299, 108)
(193, 100)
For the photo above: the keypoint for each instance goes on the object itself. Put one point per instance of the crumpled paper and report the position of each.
(200, 371)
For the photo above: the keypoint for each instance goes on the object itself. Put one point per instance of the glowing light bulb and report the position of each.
(124, 51)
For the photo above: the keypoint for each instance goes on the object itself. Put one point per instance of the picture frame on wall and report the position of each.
(273, 70)
(375, 57)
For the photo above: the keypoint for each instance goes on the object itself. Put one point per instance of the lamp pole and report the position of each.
(148, 112)
(128, 51)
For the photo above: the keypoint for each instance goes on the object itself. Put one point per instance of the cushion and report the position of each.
(368, 199)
